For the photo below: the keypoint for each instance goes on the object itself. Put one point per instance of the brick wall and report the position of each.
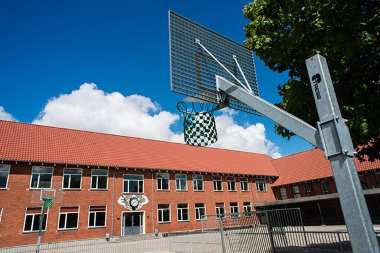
(18, 197)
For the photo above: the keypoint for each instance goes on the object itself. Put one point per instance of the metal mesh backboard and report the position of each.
(193, 71)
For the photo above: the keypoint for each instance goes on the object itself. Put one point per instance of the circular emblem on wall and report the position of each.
(132, 202)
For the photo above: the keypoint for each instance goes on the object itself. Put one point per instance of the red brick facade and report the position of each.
(18, 197)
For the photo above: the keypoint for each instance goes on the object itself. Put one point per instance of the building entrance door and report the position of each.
(133, 223)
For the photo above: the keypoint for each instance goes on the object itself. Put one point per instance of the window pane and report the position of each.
(62, 218)
(66, 181)
(37, 169)
(166, 215)
(34, 181)
(36, 222)
(185, 214)
(3, 179)
(28, 222)
(133, 186)
(45, 181)
(165, 184)
(75, 181)
(141, 186)
(72, 220)
(100, 219)
(91, 221)
(102, 182)
(99, 172)
(94, 182)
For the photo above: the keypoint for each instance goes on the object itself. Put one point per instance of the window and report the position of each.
(200, 211)
(162, 181)
(234, 209)
(261, 185)
(4, 174)
(41, 177)
(97, 217)
(72, 178)
(308, 187)
(99, 179)
(325, 187)
(244, 184)
(283, 193)
(218, 183)
(68, 218)
(163, 213)
(32, 220)
(231, 184)
(197, 182)
(133, 183)
(296, 191)
(219, 210)
(182, 212)
(181, 182)
(247, 209)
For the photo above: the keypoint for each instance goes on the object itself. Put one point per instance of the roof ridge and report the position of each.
(297, 153)
(126, 136)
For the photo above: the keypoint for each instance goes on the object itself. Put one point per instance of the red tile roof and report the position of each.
(310, 165)
(35, 143)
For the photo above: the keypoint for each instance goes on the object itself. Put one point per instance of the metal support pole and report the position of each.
(38, 243)
(333, 137)
(222, 234)
(339, 150)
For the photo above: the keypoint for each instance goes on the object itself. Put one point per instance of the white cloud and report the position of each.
(250, 137)
(4, 115)
(90, 108)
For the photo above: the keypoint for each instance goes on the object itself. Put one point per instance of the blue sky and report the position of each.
(49, 48)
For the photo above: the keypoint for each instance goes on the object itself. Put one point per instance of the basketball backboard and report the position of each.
(193, 69)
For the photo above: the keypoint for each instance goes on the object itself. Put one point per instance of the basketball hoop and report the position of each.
(199, 126)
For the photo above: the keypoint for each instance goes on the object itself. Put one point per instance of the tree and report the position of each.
(285, 33)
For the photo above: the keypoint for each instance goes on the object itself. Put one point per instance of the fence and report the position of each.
(272, 231)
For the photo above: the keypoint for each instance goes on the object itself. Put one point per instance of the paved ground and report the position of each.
(236, 241)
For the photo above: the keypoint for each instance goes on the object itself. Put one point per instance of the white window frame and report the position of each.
(176, 184)
(95, 214)
(39, 213)
(234, 210)
(161, 210)
(245, 208)
(296, 191)
(162, 175)
(261, 181)
(69, 212)
(97, 180)
(283, 192)
(143, 183)
(308, 187)
(197, 211)
(180, 209)
(6, 168)
(39, 176)
(218, 208)
(217, 179)
(197, 179)
(326, 190)
(70, 174)
(244, 180)
(231, 180)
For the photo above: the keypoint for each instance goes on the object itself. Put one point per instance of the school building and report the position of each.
(110, 185)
